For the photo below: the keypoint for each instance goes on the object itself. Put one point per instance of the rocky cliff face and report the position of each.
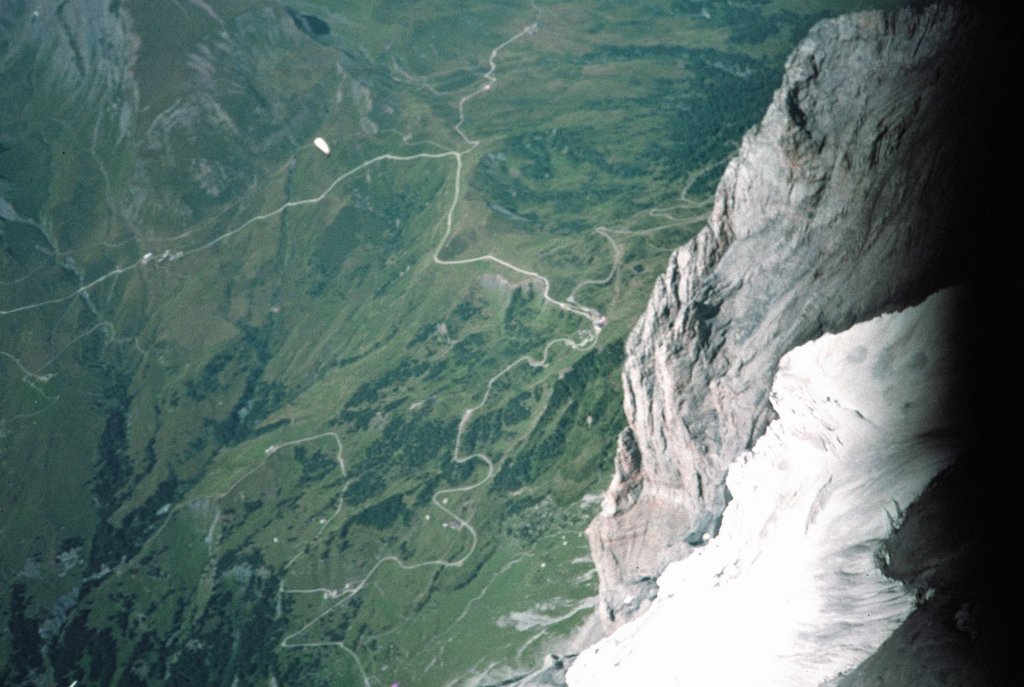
(841, 205)
(790, 592)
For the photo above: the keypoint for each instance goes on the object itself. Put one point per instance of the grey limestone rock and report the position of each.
(838, 207)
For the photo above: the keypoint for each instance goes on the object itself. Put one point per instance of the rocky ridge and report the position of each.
(844, 203)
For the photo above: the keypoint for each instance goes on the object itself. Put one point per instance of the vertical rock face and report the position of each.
(841, 205)
(790, 592)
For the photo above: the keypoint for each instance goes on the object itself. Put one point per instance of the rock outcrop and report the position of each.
(846, 202)
(790, 591)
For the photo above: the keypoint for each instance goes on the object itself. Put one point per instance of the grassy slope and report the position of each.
(145, 527)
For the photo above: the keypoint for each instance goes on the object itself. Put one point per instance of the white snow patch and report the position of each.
(790, 592)
(545, 614)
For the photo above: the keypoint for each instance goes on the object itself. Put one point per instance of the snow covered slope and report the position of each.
(791, 591)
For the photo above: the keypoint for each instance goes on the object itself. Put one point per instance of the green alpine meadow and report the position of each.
(281, 413)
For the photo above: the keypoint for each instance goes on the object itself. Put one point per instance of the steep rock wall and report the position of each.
(790, 592)
(839, 206)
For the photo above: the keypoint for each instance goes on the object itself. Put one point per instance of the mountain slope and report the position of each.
(886, 168)
(837, 208)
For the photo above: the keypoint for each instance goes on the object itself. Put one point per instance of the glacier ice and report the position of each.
(790, 592)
